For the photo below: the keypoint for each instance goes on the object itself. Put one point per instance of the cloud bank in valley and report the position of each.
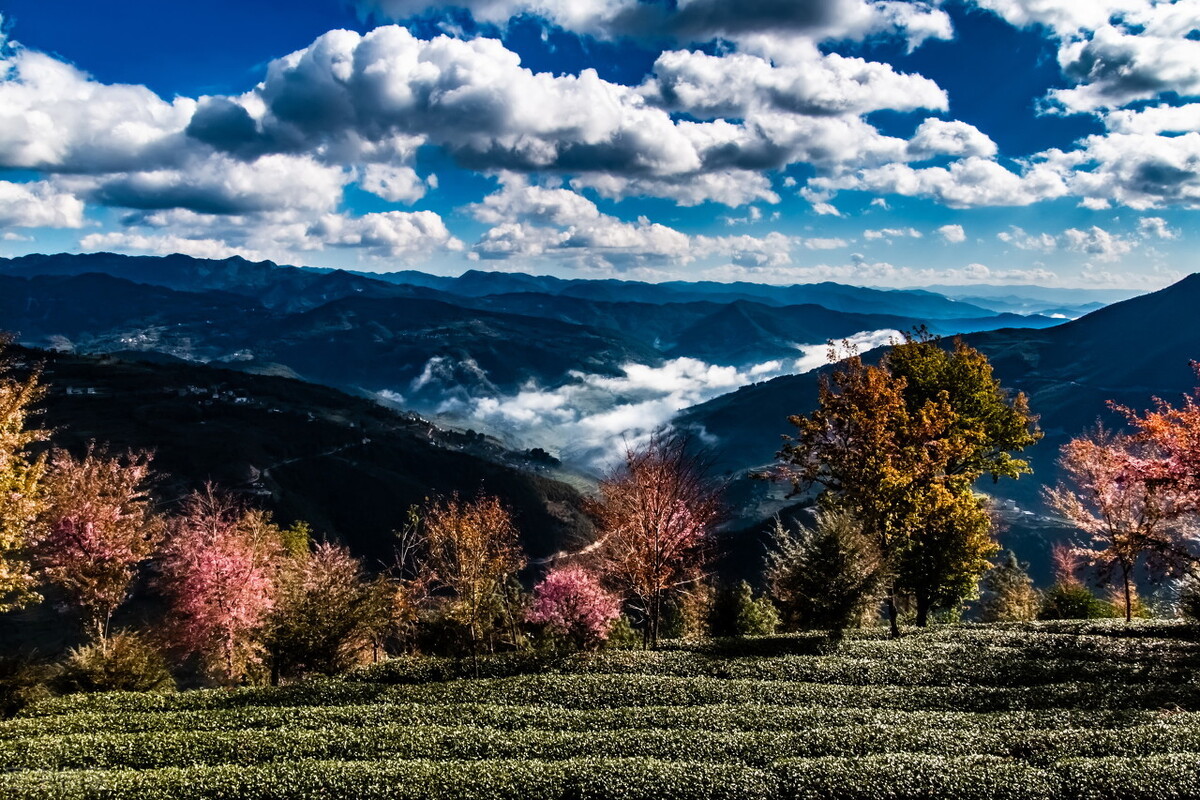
(587, 421)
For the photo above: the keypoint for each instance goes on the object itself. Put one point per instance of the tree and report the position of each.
(218, 573)
(1010, 593)
(654, 514)
(322, 616)
(472, 550)
(753, 616)
(99, 525)
(899, 445)
(21, 475)
(942, 562)
(828, 576)
(1109, 498)
(571, 603)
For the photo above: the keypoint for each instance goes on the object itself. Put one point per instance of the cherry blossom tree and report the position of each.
(654, 516)
(571, 602)
(1107, 495)
(99, 526)
(218, 573)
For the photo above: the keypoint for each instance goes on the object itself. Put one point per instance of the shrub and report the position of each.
(1009, 593)
(1073, 601)
(829, 576)
(125, 663)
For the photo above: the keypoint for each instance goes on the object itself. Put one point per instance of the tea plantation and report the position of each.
(1100, 711)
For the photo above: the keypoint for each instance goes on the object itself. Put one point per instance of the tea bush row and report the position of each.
(891, 777)
(717, 717)
(761, 749)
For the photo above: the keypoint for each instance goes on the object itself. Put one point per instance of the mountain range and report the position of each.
(425, 338)
(568, 359)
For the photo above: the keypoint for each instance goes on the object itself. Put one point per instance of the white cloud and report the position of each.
(892, 233)
(1116, 51)
(1156, 119)
(952, 234)
(1098, 242)
(1156, 228)
(1095, 241)
(1140, 171)
(807, 83)
(704, 20)
(54, 117)
(396, 184)
(973, 181)
(588, 419)
(163, 244)
(1023, 240)
(877, 273)
(819, 243)
(532, 220)
(38, 204)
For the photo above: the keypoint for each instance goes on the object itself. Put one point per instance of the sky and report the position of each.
(872, 142)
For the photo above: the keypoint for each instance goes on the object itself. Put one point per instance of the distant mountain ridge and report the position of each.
(424, 338)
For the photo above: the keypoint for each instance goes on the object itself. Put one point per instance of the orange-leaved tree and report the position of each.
(472, 549)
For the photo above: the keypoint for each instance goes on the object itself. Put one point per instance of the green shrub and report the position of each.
(126, 662)
(1073, 601)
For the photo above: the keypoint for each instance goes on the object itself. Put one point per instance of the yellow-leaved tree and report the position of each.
(21, 497)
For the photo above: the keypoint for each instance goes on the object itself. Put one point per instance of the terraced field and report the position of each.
(1048, 710)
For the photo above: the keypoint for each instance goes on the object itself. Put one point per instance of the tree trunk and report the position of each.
(1128, 594)
(923, 604)
(893, 621)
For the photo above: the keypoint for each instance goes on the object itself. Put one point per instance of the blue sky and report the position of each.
(876, 142)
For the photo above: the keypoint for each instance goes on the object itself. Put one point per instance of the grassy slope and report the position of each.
(1051, 710)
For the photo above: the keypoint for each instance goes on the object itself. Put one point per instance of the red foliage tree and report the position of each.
(654, 516)
(218, 572)
(99, 526)
(571, 602)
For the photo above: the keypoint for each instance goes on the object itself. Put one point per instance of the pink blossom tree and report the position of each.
(654, 516)
(218, 572)
(571, 602)
(1107, 497)
(99, 525)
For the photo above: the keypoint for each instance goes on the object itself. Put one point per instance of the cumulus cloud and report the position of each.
(1140, 171)
(163, 244)
(973, 181)
(38, 204)
(819, 243)
(704, 20)
(1095, 241)
(1156, 228)
(1098, 242)
(808, 83)
(952, 234)
(588, 419)
(54, 117)
(533, 220)
(1116, 51)
(403, 236)
(1021, 239)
